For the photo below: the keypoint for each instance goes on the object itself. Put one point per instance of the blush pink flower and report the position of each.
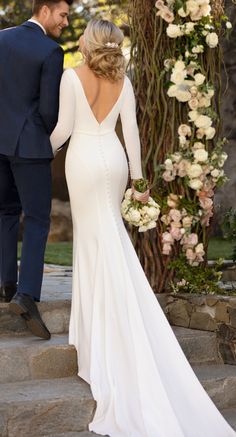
(167, 238)
(175, 215)
(166, 250)
(176, 233)
(206, 203)
(168, 176)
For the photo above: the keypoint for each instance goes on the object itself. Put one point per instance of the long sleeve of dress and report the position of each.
(66, 115)
(131, 132)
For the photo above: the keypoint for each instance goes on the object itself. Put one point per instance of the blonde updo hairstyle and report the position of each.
(102, 49)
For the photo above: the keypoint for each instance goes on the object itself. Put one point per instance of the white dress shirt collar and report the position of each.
(32, 20)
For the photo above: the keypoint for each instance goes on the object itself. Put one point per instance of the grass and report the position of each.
(61, 253)
(220, 248)
(56, 253)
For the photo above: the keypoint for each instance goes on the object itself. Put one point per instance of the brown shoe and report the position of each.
(25, 306)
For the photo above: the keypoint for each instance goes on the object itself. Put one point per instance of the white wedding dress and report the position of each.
(127, 352)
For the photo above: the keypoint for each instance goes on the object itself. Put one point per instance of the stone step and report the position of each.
(219, 380)
(230, 415)
(23, 404)
(26, 358)
(45, 407)
(200, 347)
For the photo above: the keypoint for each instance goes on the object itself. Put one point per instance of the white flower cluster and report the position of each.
(144, 216)
(200, 170)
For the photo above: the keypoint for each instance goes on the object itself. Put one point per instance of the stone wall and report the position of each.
(207, 313)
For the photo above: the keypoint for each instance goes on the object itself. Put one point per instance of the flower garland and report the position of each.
(193, 166)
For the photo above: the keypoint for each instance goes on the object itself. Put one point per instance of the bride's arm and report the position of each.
(66, 115)
(131, 135)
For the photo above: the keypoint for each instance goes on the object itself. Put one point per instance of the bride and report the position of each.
(127, 352)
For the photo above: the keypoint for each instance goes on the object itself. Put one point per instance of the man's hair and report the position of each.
(38, 4)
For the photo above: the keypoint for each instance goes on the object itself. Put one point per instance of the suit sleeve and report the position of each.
(131, 132)
(64, 127)
(49, 88)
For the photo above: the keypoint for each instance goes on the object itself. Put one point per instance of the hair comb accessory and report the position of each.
(112, 45)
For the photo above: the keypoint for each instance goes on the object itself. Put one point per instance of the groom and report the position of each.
(30, 73)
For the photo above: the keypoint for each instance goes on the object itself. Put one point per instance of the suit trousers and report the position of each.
(25, 185)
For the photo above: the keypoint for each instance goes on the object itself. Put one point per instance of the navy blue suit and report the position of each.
(30, 74)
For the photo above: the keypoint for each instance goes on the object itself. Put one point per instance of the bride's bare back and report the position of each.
(101, 94)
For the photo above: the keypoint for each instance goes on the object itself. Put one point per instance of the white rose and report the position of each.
(198, 49)
(195, 184)
(228, 25)
(194, 171)
(215, 173)
(134, 215)
(200, 133)
(182, 12)
(194, 91)
(128, 194)
(176, 157)
(210, 133)
(192, 6)
(143, 228)
(199, 79)
(205, 9)
(182, 95)
(168, 164)
(210, 92)
(182, 140)
(178, 76)
(204, 102)
(179, 65)
(151, 225)
(193, 115)
(184, 130)
(200, 155)
(222, 159)
(173, 31)
(193, 103)
(153, 212)
(172, 91)
(212, 40)
(189, 27)
(203, 121)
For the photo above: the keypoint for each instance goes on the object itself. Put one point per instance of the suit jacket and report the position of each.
(31, 65)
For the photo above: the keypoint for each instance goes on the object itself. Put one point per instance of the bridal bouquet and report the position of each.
(137, 212)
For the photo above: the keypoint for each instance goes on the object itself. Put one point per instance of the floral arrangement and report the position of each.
(196, 168)
(142, 214)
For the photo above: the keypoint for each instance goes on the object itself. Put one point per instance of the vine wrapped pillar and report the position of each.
(179, 126)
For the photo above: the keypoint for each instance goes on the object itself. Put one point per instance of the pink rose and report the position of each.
(190, 255)
(167, 238)
(172, 200)
(176, 233)
(166, 250)
(168, 176)
(175, 215)
(206, 203)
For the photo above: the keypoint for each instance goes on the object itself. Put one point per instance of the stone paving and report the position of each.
(57, 283)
